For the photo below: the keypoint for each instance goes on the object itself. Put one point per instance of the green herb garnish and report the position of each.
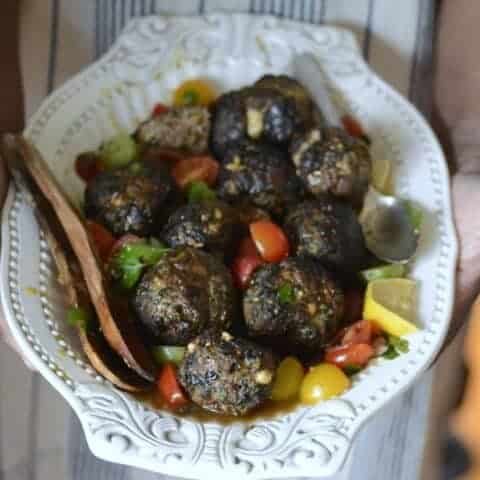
(415, 214)
(128, 264)
(199, 192)
(286, 293)
(168, 354)
(190, 97)
(395, 347)
(352, 369)
(78, 317)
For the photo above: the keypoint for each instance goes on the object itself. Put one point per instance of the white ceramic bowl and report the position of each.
(153, 56)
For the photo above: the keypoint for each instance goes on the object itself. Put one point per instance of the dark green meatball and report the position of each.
(227, 375)
(210, 225)
(295, 304)
(290, 88)
(329, 161)
(228, 123)
(272, 110)
(271, 116)
(259, 174)
(125, 202)
(328, 231)
(185, 292)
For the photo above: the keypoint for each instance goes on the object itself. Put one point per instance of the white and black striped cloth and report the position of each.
(39, 437)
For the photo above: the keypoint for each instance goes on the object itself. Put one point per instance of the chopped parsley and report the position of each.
(190, 97)
(395, 347)
(78, 317)
(286, 293)
(128, 264)
(352, 369)
(200, 191)
(415, 215)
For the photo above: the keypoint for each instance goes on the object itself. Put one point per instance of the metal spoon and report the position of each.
(387, 228)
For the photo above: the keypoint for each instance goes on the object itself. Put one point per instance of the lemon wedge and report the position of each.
(391, 304)
(381, 174)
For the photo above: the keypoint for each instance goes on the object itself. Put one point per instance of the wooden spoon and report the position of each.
(119, 331)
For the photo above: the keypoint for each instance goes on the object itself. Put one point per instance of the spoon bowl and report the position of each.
(386, 222)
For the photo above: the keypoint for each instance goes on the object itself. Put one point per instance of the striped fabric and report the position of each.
(39, 436)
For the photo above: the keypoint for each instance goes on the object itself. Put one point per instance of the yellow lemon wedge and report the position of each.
(391, 304)
(381, 174)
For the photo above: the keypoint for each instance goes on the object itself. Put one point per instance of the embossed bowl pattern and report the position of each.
(152, 56)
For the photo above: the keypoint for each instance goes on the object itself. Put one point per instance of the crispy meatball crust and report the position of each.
(328, 231)
(271, 116)
(228, 123)
(329, 161)
(302, 324)
(128, 203)
(227, 375)
(290, 88)
(185, 292)
(259, 174)
(210, 225)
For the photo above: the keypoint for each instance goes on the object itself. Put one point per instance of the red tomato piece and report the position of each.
(102, 239)
(352, 126)
(245, 263)
(88, 165)
(158, 109)
(194, 169)
(169, 387)
(271, 242)
(359, 332)
(247, 248)
(243, 268)
(353, 305)
(348, 355)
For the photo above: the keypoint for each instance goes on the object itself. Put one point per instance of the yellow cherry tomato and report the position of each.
(194, 92)
(287, 380)
(322, 382)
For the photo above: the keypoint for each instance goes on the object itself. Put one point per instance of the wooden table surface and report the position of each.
(39, 436)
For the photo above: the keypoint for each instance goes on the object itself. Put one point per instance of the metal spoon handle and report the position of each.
(310, 73)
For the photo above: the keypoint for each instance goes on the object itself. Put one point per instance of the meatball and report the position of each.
(295, 304)
(290, 88)
(329, 161)
(183, 128)
(271, 116)
(228, 123)
(210, 225)
(185, 292)
(328, 231)
(272, 110)
(259, 174)
(125, 202)
(227, 375)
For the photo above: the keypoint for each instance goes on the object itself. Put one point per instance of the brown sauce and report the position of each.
(267, 411)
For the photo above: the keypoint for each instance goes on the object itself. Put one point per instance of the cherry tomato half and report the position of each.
(194, 92)
(195, 169)
(102, 239)
(88, 165)
(159, 109)
(347, 355)
(169, 387)
(360, 332)
(271, 242)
